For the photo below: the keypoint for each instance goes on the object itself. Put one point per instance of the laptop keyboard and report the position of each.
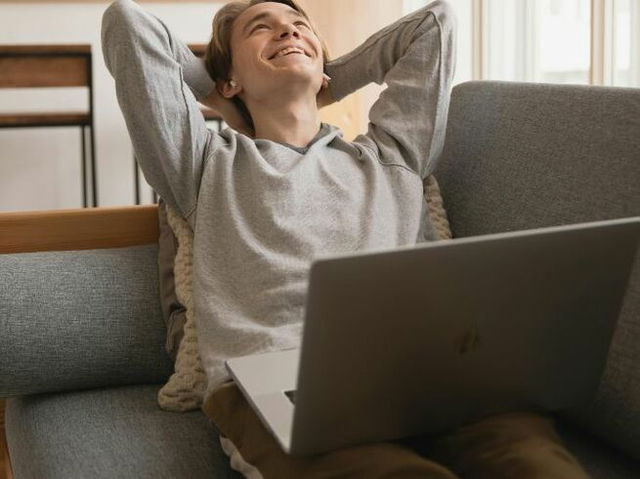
(291, 395)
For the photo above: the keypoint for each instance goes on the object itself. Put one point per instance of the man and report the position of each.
(281, 188)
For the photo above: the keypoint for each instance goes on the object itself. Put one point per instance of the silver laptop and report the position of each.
(422, 339)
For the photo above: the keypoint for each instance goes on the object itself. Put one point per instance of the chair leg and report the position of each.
(94, 183)
(136, 181)
(84, 166)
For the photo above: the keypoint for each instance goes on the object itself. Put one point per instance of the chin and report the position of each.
(297, 74)
(294, 77)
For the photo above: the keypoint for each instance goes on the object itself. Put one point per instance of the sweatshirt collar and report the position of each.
(324, 136)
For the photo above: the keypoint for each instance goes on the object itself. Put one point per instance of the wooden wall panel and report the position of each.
(345, 24)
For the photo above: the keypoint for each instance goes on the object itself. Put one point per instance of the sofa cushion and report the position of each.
(121, 432)
(80, 319)
(107, 433)
(522, 155)
(173, 311)
(186, 387)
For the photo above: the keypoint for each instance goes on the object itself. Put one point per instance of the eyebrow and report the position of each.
(263, 15)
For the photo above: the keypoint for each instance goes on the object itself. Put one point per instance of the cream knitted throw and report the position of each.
(435, 205)
(185, 389)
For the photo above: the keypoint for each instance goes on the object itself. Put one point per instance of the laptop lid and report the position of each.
(422, 339)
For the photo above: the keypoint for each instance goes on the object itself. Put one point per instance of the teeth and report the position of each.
(288, 50)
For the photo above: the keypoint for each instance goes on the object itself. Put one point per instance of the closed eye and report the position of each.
(262, 25)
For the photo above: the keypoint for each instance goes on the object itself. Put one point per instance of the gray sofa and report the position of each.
(82, 335)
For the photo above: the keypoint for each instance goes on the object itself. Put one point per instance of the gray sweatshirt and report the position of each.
(262, 211)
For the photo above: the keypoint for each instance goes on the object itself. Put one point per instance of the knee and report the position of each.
(537, 457)
(381, 460)
(514, 426)
(500, 433)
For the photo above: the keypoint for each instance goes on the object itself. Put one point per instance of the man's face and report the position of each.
(273, 47)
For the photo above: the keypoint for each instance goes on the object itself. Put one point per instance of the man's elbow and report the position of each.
(115, 12)
(119, 18)
(117, 21)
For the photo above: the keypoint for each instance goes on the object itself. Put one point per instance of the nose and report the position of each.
(289, 30)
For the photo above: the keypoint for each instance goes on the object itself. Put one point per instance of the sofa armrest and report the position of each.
(86, 317)
(79, 229)
(80, 319)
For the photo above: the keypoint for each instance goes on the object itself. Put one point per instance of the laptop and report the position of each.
(422, 339)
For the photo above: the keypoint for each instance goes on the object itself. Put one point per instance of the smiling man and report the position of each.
(279, 188)
(277, 81)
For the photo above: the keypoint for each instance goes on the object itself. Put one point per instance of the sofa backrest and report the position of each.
(525, 155)
(520, 156)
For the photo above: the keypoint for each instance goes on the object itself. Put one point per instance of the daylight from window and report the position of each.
(544, 40)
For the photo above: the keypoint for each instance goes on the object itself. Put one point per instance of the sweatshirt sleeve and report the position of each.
(415, 58)
(158, 80)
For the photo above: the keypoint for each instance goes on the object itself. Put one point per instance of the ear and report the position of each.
(229, 89)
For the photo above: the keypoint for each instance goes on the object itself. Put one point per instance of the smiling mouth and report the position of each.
(288, 52)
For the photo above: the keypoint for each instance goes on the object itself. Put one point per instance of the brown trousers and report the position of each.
(509, 446)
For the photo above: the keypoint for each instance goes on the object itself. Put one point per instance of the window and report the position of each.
(555, 41)
(539, 40)
(626, 43)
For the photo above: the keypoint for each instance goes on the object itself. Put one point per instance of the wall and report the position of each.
(40, 168)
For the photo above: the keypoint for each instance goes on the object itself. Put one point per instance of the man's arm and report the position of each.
(157, 82)
(415, 58)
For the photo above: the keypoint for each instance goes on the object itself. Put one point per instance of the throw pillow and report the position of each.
(185, 389)
(173, 312)
(437, 213)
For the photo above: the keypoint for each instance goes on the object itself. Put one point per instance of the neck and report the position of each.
(294, 121)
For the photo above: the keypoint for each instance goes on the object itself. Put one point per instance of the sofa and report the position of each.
(82, 336)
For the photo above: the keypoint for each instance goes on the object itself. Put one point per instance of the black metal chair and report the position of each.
(60, 66)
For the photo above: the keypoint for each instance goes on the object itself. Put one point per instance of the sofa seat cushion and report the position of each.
(600, 459)
(122, 432)
(106, 433)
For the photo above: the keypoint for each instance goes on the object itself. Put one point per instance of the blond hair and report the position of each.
(218, 58)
